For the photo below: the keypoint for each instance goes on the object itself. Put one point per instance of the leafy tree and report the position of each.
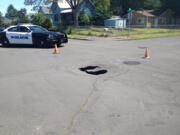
(120, 7)
(11, 12)
(152, 4)
(174, 5)
(84, 19)
(102, 11)
(40, 19)
(46, 23)
(1, 19)
(21, 16)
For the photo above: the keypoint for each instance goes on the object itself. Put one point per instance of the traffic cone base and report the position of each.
(56, 49)
(147, 54)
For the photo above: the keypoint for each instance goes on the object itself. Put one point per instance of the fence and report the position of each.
(134, 32)
(155, 26)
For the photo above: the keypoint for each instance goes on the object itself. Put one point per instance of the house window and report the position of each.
(56, 17)
(140, 21)
(163, 20)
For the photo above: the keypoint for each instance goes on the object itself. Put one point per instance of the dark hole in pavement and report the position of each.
(93, 70)
(100, 72)
(88, 68)
(131, 63)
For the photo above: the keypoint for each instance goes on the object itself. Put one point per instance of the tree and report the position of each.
(74, 4)
(1, 19)
(11, 12)
(152, 4)
(46, 23)
(102, 11)
(84, 19)
(173, 5)
(120, 7)
(41, 20)
(38, 18)
(21, 16)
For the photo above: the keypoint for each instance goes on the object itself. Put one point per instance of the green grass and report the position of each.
(136, 33)
(77, 37)
(153, 33)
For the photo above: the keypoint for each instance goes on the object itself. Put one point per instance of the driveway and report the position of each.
(46, 94)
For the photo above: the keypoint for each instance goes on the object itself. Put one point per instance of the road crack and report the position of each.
(81, 108)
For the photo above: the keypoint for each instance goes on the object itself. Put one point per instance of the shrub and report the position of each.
(53, 28)
(69, 30)
(46, 23)
(84, 19)
(62, 26)
(40, 19)
(90, 34)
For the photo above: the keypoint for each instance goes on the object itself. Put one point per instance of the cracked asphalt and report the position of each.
(46, 94)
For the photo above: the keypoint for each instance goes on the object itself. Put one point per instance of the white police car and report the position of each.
(32, 35)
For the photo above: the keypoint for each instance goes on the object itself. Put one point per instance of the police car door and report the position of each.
(25, 35)
(12, 35)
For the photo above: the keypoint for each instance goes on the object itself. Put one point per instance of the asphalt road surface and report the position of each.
(46, 94)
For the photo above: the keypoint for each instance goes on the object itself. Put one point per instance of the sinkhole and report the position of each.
(93, 70)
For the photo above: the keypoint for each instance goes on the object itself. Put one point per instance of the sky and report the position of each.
(18, 4)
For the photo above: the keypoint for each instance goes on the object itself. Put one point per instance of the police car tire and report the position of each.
(39, 44)
(5, 42)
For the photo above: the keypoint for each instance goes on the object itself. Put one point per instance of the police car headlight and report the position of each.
(50, 36)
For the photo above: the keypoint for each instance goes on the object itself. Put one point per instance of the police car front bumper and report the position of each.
(58, 40)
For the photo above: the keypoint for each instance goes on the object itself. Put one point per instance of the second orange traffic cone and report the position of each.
(56, 49)
(147, 54)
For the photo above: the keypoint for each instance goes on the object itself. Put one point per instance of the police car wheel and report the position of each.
(5, 43)
(38, 44)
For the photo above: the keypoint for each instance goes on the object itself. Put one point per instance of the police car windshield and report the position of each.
(37, 29)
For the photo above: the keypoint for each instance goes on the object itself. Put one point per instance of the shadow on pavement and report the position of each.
(27, 46)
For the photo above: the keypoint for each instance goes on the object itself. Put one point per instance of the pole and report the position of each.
(129, 28)
(129, 21)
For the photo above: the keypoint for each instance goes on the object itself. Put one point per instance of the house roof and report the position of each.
(7, 21)
(151, 13)
(65, 7)
(46, 10)
(63, 4)
(115, 18)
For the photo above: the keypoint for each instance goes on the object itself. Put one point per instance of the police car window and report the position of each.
(37, 29)
(13, 29)
(24, 29)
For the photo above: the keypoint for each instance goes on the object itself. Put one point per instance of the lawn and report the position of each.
(135, 33)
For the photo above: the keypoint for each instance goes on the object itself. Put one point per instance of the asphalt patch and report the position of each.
(131, 63)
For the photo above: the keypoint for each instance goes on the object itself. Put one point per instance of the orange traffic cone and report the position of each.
(147, 54)
(56, 49)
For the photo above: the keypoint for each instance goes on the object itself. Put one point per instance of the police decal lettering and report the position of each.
(19, 37)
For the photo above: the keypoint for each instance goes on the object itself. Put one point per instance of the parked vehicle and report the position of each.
(2, 28)
(31, 35)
